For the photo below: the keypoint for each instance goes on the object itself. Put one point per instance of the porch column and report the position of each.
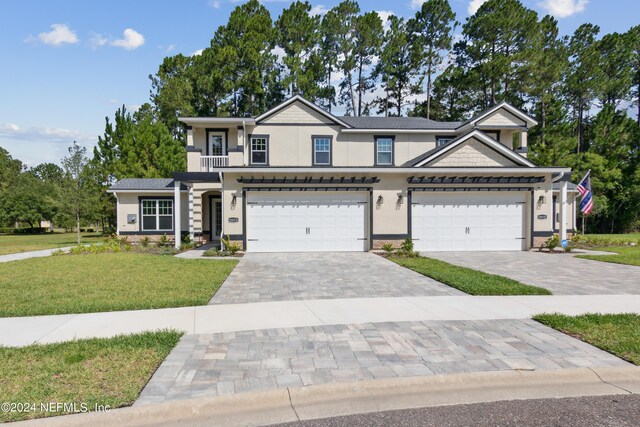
(191, 228)
(176, 213)
(563, 210)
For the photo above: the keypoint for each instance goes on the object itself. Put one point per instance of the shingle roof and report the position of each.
(145, 184)
(397, 123)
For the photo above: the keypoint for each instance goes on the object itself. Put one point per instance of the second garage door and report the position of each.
(468, 222)
(306, 221)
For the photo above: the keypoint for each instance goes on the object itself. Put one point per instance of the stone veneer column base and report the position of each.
(377, 244)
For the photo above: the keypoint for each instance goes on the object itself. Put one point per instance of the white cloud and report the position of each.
(13, 131)
(563, 8)
(133, 107)
(59, 35)
(416, 4)
(98, 40)
(131, 40)
(474, 5)
(384, 16)
(214, 4)
(170, 48)
(319, 10)
(197, 52)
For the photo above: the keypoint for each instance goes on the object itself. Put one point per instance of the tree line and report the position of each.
(583, 89)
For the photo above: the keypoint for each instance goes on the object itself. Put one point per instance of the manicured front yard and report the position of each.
(467, 280)
(624, 255)
(107, 282)
(99, 371)
(16, 243)
(616, 333)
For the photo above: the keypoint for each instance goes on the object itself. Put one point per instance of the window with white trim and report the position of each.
(259, 150)
(442, 140)
(322, 150)
(157, 215)
(384, 150)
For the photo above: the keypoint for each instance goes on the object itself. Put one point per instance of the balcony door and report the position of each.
(217, 143)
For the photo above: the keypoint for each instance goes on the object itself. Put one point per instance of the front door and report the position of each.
(216, 218)
(217, 143)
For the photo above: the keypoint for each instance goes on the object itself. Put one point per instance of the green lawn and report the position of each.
(107, 282)
(467, 280)
(629, 255)
(100, 371)
(616, 333)
(15, 243)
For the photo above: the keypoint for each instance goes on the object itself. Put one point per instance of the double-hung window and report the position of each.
(259, 147)
(384, 150)
(321, 150)
(442, 140)
(157, 215)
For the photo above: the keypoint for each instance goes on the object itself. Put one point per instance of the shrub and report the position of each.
(552, 242)
(387, 247)
(229, 246)
(407, 245)
(164, 240)
(145, 241)
(211, 252)
(128, 247)
(57, 252)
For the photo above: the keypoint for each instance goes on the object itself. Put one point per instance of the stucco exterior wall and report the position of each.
(129, 203)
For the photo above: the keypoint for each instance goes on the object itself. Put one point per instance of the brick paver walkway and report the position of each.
(217, 364)
(262, 277)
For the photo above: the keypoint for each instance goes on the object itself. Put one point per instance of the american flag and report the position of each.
(584, 188)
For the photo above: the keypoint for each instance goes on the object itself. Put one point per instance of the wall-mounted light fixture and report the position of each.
(233, 199)
(380, 199)
(542, 200)
(400, 198)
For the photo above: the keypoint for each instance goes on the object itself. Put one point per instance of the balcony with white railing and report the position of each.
(211, 163)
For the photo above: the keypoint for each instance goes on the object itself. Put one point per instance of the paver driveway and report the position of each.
(559, 273)
(216, 364)
(262, 277)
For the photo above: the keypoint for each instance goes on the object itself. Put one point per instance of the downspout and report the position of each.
(221, 210)
(244, 143)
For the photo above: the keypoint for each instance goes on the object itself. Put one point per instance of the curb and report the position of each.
(338, 399)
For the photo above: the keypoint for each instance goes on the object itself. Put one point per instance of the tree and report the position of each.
(615, 74)
(368, 28)
(138, 146)
(77, 195)
(581, 77)
(345, 35)
(432, 29)
(633, 36)
(398, 68)
(298, 35)
(328, 51)
(28, 201)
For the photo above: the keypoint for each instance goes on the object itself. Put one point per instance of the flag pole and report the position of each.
(584, 217)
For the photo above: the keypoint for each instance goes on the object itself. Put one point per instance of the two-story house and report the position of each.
(298, 178)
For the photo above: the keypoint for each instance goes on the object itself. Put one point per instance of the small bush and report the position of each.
(387, 247)
(128, 247)
(145, 241)
(407, 245)
(229, 246)
(211, 252)
(164, 240)
(551, 243)
(57, 252)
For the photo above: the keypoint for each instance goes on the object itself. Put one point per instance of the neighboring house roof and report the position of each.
(397, 123)
(298, 98)
(433, 154)
(145, 184)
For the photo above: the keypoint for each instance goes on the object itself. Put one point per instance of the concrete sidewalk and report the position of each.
(21, 331)
(314, 402)
(31, 254)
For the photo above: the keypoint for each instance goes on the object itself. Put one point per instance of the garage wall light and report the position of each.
(380, 199)
(542, 200)
(400, 197)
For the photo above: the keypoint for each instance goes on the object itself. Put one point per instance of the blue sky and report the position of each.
(68, 64)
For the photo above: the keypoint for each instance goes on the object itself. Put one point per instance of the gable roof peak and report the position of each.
(303, 100)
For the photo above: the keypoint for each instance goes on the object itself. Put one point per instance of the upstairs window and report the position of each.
(157, 215)
(384, 150)
(443, 140)
(321, 150)
(259, 146)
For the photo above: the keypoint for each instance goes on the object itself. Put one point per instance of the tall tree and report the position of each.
(581, 75)
(328, 52)
(633, 36)
(432, 29)
(615, 69)
(398, 68)
(77, 194)
(368, 28)
(347, 13)
(497, 40)
(244, 49)
(298, 36)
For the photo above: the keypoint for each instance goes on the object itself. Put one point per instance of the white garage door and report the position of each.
(468, 222)
(306, 222)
